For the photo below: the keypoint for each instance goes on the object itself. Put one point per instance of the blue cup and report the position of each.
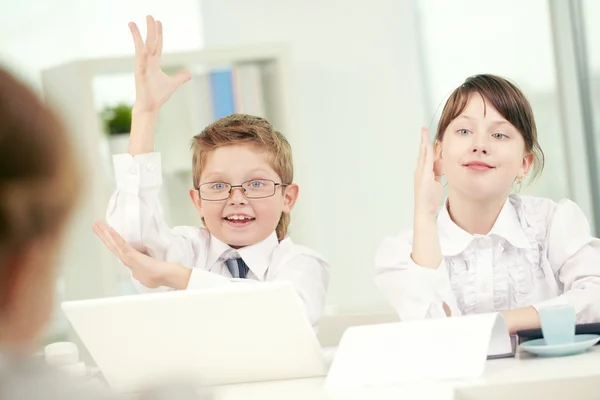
(558, 324)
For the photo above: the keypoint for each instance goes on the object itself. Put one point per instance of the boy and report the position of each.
(243, 190)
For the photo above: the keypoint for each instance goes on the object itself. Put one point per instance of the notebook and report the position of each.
(431, 349)
(580, 329)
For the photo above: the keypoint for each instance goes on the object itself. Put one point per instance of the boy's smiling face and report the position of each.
(237, 220)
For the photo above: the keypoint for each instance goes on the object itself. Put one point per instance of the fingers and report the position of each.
(137, 38)
(101, 230)
(447, 310)
(118, 239)
(159, 38)
(113, 241)
(151, 41)
(428, 161)
(422, 148)
(140, 50)
(183, 76)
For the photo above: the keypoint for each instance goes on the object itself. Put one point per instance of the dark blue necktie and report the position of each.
(237, 267)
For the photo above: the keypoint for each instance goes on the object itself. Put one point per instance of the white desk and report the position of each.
(523, 377)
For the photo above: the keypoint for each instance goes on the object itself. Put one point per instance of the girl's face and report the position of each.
(482, 153)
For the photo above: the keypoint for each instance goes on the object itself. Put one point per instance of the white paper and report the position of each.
(443, 348)
(500, 341)
(202, 279)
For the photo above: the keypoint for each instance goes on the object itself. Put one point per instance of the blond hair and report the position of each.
(245, 129)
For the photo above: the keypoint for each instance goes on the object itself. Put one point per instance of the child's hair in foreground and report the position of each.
(508, 100)
(242, 129)
(38, 176)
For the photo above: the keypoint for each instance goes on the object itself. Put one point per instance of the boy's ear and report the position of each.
(290, 195)
(195, 196)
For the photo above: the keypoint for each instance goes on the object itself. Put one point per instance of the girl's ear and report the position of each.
(437, 150)
(526, 165)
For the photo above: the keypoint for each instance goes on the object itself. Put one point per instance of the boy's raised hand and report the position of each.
(149, 271)
(428, 187)
(153, 87)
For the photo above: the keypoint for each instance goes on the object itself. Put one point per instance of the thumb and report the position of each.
(182, 77)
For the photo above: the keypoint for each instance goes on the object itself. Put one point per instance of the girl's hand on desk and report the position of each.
(149, 271)
(521, 318)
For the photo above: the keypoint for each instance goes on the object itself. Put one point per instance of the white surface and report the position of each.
(523, 377)
(442, 348)
(257, 333)
(333, 325)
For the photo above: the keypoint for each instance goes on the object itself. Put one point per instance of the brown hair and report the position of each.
(510, 102)
(38, 181)
(246, 129)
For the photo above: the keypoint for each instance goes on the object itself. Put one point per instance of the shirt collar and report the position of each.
(257, 256)
(454, 240)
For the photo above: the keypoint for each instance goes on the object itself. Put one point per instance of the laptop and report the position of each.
(233, 334)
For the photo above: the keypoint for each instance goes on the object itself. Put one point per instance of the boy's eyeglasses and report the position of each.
(254, 189)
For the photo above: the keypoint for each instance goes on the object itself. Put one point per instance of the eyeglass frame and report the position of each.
(241, 186)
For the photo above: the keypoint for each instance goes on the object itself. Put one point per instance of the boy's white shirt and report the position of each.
(134, 211)
(539, 253)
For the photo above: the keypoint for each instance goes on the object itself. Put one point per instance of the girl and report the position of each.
(487, 250)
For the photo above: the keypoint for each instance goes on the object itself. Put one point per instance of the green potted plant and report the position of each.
(117, 124)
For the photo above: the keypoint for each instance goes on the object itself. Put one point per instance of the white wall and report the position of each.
(35, 35)
(358, 105)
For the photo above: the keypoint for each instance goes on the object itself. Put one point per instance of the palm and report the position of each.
(156, 88)
(430, 192)
(153, 86)
(144, 268)
(428, 186)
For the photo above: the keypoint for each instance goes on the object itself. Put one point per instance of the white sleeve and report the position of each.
(575, 259)
(413, 291)
(309, 273)
(134, 211)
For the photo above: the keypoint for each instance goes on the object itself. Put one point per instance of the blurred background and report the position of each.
(349, 83)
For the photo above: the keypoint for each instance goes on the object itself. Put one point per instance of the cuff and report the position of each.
(139, 172)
